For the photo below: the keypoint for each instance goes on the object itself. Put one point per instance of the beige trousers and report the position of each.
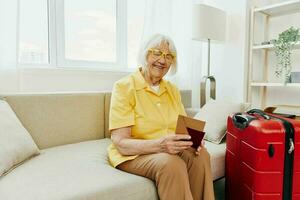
(184, 176)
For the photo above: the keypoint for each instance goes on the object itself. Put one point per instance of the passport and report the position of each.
(193, 127)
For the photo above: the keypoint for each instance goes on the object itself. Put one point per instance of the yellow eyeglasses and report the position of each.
(158, 54)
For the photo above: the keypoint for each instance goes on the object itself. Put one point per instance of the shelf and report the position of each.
(271, 46)
(260, 84)
(278, 9)
(260, 90)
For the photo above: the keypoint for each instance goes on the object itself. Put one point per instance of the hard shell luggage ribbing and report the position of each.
(262, 157)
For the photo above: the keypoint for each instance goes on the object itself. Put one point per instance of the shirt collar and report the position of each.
(140, 83)
(139, 80)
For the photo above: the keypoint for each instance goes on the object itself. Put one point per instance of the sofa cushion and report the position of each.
(217, 158)
(16, 144)
(75, 171)
(215, 113)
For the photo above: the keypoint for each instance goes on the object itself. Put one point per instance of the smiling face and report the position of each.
(159, 59)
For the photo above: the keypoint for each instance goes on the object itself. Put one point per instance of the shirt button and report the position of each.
(158, 104)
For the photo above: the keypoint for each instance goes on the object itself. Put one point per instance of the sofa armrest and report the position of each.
(191, 112)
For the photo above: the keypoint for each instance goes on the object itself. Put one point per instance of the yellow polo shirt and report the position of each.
(151, 115)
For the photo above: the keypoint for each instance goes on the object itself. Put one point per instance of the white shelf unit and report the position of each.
(260, 84)
(287, 7)
(271, 46)
(274, 10)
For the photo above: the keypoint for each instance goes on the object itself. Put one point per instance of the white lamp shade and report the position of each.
(208, 23)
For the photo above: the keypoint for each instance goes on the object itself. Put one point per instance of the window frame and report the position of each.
(56, 41)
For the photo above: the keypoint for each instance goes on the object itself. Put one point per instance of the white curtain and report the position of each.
(8, 34)
(173, 18)
(9, 74)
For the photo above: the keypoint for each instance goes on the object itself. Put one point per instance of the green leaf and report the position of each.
(283, 47)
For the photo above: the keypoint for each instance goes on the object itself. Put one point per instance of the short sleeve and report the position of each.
(121, 107)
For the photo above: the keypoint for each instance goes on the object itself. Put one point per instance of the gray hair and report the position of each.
(154, 41)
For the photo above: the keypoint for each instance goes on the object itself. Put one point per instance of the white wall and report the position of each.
(53, 80)
(9, 81)
(227, 58)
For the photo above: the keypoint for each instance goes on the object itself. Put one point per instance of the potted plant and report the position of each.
(283, 49)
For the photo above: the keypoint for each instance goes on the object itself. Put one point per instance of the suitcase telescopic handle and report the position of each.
(259, 112)
(241, 121)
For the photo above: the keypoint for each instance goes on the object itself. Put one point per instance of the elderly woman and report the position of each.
(143, 115)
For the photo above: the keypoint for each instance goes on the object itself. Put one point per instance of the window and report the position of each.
(90, 30)
(89, 33)
(33, 32)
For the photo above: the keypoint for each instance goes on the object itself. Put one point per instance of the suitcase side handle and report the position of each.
(259, 112)
(242, 121)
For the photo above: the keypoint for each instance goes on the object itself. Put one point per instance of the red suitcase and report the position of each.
(262, 157)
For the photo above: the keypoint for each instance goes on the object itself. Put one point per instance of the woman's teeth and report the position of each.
(159, 67)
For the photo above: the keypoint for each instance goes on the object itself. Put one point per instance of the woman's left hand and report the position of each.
(197, 152)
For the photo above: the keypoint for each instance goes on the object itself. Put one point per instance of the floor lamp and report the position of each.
(209, 24)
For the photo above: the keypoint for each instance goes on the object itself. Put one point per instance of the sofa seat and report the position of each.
(217, 159)
(74, 172)
(81, 172)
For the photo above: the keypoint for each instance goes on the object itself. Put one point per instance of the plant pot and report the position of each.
(287, 79)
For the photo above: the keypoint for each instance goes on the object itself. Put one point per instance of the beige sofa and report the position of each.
(71, 129)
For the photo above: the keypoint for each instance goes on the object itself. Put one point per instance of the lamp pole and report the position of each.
(204, 80)
(213, 29)
(208, 57)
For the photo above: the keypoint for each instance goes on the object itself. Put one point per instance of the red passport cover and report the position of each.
(193, 127)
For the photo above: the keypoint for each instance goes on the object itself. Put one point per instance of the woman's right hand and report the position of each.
(174, 144)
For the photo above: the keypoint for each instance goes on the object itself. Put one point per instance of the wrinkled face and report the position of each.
(159, 60)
